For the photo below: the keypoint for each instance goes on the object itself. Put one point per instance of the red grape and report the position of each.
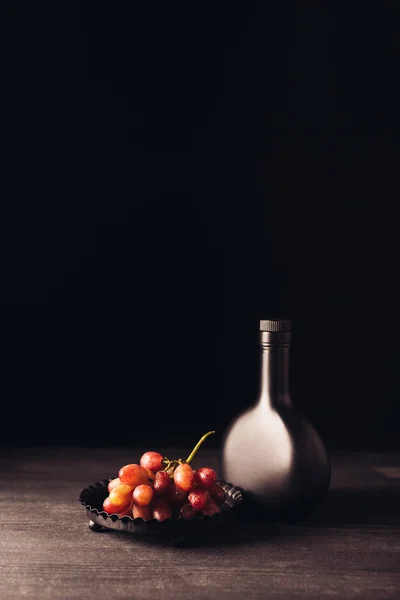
(205, 477)
(121, 496)
(161, 509)
(113, 483)
(211, 508)
(162, 481)
(187, 512)
(217, 493)
(184, 477)
(152, 460)
(142, 512)
(198, 498)
(175, 497)
(111, 508)
(133, 475)
(143, 494)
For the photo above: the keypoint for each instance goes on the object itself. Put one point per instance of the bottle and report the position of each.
(271, 451)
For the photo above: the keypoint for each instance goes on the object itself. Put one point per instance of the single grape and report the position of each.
(162, 481)
(121, 496)
(198, 498)
(142, 512)
(133, 475)
(175, 497)
(161, 509)
(211, 508)
(143, 494)
(205, 477)
(113, 483)
(217, 493)
(111, 508)
(187, 512)
(184, 477)
(152, 460)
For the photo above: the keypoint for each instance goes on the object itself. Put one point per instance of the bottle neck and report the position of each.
(274, 385)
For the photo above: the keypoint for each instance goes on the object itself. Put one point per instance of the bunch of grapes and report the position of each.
(159, 488)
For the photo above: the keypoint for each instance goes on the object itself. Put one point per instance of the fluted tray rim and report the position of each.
(233, 501)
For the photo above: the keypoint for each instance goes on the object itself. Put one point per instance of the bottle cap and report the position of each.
(276, 325)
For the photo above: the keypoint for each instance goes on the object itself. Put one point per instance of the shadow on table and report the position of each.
(341, 509)
(364, 507)
(371, 508)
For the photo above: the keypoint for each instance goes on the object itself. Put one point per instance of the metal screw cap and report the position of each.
(276, 325)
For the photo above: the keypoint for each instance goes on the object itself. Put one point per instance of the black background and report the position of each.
(172, 174)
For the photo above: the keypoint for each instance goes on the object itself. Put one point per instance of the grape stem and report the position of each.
(197, 446)
(173, 464)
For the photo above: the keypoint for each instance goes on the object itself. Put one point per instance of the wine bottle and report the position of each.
(270, 450)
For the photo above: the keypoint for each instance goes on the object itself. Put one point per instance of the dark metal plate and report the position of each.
(93, 496)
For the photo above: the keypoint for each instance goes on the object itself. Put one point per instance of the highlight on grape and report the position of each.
(160, 488)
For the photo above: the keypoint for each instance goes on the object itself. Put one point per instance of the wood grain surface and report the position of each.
(350, 548)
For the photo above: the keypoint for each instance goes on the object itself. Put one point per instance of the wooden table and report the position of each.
(349, 549)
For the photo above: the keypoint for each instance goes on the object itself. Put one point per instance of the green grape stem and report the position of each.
(197, 446)
(173, 464)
